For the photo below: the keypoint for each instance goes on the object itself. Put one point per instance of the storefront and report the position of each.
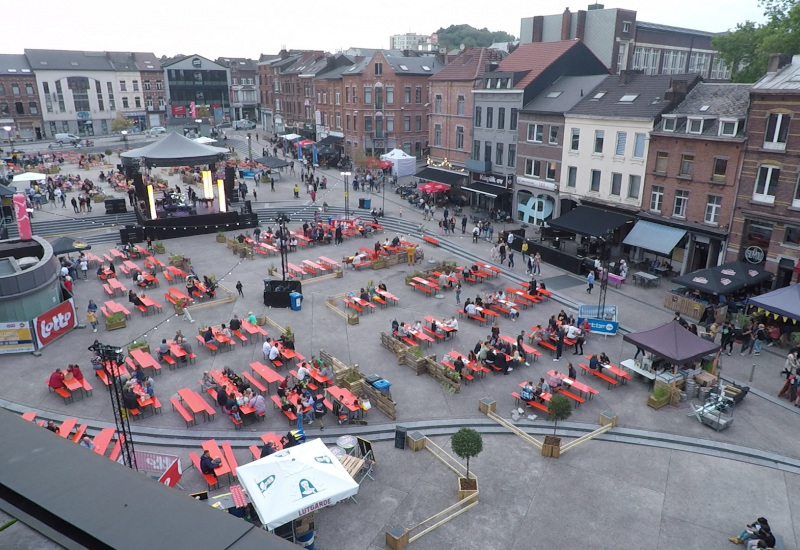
(490, 192)
(536, 200)
(139, 119)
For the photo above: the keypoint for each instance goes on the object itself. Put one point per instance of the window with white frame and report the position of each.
(619, 149)
(437, 135)
(698, 62)
(553, 135)
(550, 174)
(720, 70)
(616, 183)
(681, 201)
(533, 168)
(670, 123)
(512, 155)
(713, 206)
(796, 196)
(476, 149)
(634, 186)
(777, 131)
(489, 117)
(535, 132)
(460, 105)
(437, 104)
(674, 62)
(694, 126)
(656, 198)
(478, 116)
(728, 128)
(626, 26)
(595, 181)
(766, 183)
(687, 165)
(575, 140)
(599, 138)
(572, 176)
(459, 137)
(646, 59)
(662, 158)
(390, 95)
(499, 150)
(638, 145)
(501, 118)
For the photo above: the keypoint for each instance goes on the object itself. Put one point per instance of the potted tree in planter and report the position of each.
(159, 247)
(659, 398)
(467, 443)
(558, 408)
(220, 237)
(115, 321)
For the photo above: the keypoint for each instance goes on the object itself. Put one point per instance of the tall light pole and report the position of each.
(249, 147)
(345, 175)
(10, 136)
(199, 122)
(125, 138)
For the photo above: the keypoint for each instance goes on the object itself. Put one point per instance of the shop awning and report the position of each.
(655, 237)
(485, 189)
(441, 176)
(595, 222)
(328, 141)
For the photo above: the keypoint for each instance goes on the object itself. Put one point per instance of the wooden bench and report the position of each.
(117, 448)
(87, 388)
(170, 298)
(240, 336)
(577, 398)
(156, 405)
(277, 402)
(408, 340)
(420, 287)
(211, 479)
(255, 383)
(186, 415)
(548, 345)
(353, 305)
(208, 345)
(167, 276)
(169, 361)
(108, 289)
(478, 318)
(308, 382)
(380, 300)
(79, 433)
(65, 394)
(464, 374)
(135, 413)
(101, 374)
(430, 240)
(256, 450)
(533, 403)
(433, 333)
(502, 309)
(142, 310)
(600, 375)
(237, 424)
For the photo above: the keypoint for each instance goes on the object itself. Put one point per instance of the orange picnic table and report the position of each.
(266, 373)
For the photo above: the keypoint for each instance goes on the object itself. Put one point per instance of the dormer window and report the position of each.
(728, 128)
(694, 126)
(670, 124)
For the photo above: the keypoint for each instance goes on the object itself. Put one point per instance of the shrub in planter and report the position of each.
(220, 237)
(139, 344)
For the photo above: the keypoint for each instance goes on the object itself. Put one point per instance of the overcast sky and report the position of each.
(248, 28)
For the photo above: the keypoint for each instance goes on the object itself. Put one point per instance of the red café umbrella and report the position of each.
(304, 143)
(385, 164)
(434, 187)
(372, 163)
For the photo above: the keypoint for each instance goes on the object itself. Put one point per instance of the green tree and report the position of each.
(455, 35)
(121, 123)
(747, 49)
(558, 408)
(467, 443)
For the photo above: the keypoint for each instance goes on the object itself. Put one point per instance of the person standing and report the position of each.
(747, 339)
(74, 203)
(590, 282)
(458, 292)
(239, 288)
(182, 308)
(511, 259)
(463, 225)
(728, 337)
(537, 264)
(758, 339)
(559, 343)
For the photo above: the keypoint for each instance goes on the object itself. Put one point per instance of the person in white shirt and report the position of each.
(402, 332)
(452, 323)
(573, 332)
(471, 310)
(418, 327)
(274, 353)
(266, 348)
(302, 372)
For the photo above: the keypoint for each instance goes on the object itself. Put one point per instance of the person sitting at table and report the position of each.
(471, 309)
(283, 387)
(307, 402)
(148, 388)
(129, 398)
(604, 359)
(235, 323)
(528, 392)
(542, 286)
(417, 327)
(267, 449)
(191, 287)
(382, 286)
(458, 364)
(513, 312)
(478, 301)
(554, 381)
(490, 358)
(134, 299)
(364, 295)
(516, 358)
(303, 373)
(532, 288)
(452, 323)
(208, 335)
(56, 380)
(112, 269)
(594, 363)
(207, 382)
(87, 443)
(225, 331)
(274, 353)
(208, 465)
(286, 342)
(51, 426)
(545, 387)
(402, 331)
(76, 372)
(537, 334)
(396, 240)
(571, 371)
(251, 318)
(163, 349)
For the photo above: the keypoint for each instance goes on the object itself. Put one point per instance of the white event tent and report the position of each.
(404, 164)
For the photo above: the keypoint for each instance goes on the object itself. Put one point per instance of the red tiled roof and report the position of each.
(535, 58)
(468, 66)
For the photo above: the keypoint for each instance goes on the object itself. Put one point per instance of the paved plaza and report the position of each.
(661, 480)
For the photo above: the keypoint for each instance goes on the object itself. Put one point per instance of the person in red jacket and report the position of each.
(76, 372)
(56, 379)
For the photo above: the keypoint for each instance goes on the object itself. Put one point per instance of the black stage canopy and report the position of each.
(174, 150)
(595, 222)
(443, 176)
(724, 279)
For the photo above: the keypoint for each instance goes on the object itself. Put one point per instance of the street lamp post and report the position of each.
(125, 138)
(345, 175)
(199, 122)
(249, 147)
(10, 136)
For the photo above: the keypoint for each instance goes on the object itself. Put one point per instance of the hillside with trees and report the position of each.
(455, 35)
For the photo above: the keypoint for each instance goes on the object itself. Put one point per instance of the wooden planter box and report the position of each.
(352, 319)
(160, 249)
(339, 273)
(551, 446)
(466, 492)
(115, 325)
(657, 403)
(145, 349)
(98, 198)
(221, 239)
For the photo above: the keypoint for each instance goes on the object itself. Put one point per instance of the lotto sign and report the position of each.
(55, 323)
(16, 337)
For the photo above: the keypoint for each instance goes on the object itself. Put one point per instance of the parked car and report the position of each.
(244, 125)
(155, 130)
(223, 125)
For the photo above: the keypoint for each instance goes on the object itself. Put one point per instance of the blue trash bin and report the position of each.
(295, 298)
(383, 386)
(367, 203)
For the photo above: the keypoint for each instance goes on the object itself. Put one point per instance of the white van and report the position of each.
(67, 138)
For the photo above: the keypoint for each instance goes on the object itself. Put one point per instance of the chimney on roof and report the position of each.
(538, 28)
(778, 61)
(596, 6)
(677, 91)
(580, 28)
(566, 24)
(491, 67)
(626, 76)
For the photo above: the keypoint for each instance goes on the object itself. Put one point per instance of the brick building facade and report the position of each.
(20, 108)
(766, 223)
